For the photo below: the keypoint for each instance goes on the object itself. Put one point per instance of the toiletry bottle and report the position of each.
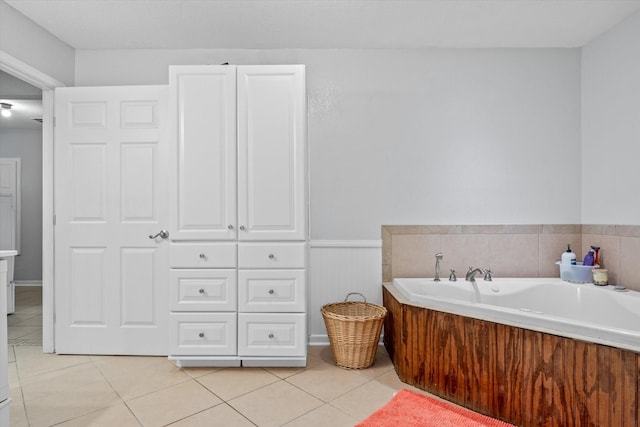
(568, 257)
(596, 260)
(589, 257)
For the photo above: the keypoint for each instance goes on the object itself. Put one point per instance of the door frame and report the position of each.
(37, 78)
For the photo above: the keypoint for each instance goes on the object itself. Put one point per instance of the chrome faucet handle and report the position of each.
(487, 275)
(452, 276)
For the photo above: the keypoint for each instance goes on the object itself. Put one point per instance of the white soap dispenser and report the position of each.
(569, 257)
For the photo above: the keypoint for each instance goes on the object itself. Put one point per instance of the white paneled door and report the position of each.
(111, 281)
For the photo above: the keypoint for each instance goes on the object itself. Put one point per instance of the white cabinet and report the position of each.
(203, 102)
(271, 153)
(239, 215)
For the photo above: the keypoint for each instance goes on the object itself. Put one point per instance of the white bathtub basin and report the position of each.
(581, 311)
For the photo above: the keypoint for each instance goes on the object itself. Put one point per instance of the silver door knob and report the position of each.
(242, 227)
(230, 227)
(162, 233)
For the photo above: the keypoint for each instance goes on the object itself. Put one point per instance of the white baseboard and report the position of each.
(319, 340)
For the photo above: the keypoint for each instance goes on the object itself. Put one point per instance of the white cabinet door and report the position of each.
(203, 100)
(111, 278)
(271, 152)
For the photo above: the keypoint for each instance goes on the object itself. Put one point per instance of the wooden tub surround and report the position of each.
(524, 377)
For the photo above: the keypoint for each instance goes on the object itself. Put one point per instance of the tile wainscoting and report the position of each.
(508, 250)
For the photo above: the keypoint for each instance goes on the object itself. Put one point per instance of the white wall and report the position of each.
(30, 43)
(26, 144)
(433, 136)
(611, 126)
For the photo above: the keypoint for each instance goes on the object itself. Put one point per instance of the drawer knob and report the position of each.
(202, 256)
(270, 291)
(271, 256)
(230, 227)
(242, 227)
(201, 334)
(271, 336)
(201, 291)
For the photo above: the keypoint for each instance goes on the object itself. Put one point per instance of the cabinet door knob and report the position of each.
(202, 256)
(201, 334)
(230, 227)
(271, 256)
(270, 336)
(242, 227)
(201, 291)
(270, 291)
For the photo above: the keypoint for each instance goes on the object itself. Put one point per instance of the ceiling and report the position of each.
(332, 24)
(25, 100)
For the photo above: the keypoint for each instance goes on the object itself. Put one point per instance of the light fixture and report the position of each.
(6, 109)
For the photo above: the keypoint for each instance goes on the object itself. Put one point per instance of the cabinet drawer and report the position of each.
(203, 255)
(210, 334)
(271, 290)
(271, 334)
(202, 290)
(271, 255)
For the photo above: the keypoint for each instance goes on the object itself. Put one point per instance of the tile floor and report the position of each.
(124, 391)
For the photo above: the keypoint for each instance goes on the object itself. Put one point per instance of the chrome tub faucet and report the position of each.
(471, 274)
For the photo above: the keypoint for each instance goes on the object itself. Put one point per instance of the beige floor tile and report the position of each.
(134, 376)
(275, 404)
(172, 404)
(18, 331)
(31, 320)
(32, 338)
(11, 354)
(17, 319)
(284, 372)
(199, 372)
(319, 354)
(391, 380)
(327, 382)
(14, 378)
(233, 382)
(32, 309)
(117, 415)
(66, 394)
(17, 415)
(381, 365)
(364, 400)
(325, 415)
(30, 361)
(222, 415)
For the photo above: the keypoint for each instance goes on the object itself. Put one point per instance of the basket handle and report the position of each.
(354, 293)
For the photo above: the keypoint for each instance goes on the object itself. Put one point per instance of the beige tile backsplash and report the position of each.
(508, 250)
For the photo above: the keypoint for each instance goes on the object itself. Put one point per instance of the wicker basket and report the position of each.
(354, 331)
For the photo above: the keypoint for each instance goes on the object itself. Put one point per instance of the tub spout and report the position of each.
(471, 274)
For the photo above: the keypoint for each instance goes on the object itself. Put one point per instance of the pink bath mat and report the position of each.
(411, 409)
